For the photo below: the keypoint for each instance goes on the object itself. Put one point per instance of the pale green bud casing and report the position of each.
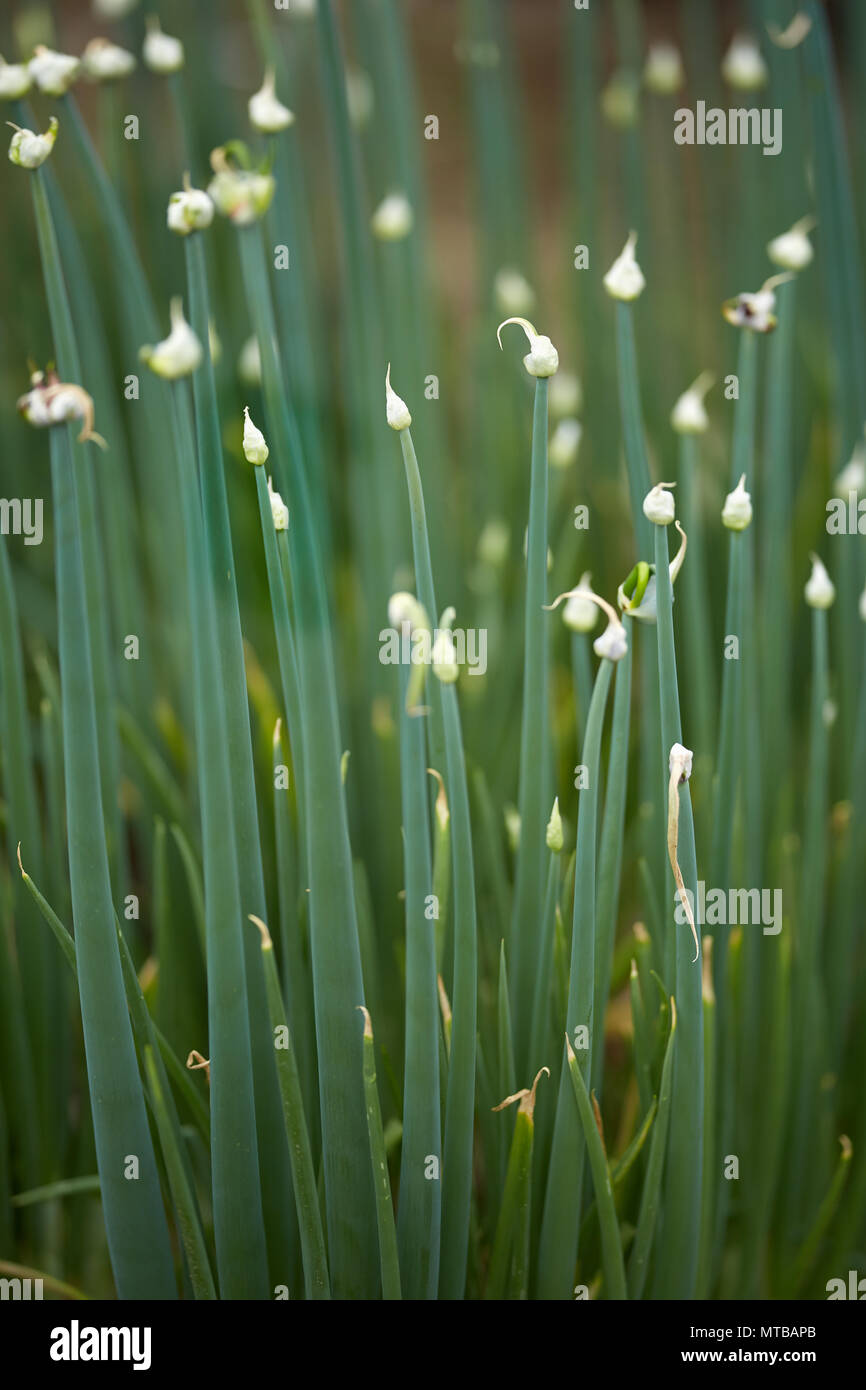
(189, 210)
(820, 591)
(28, 149)
(554, 830)
(15, 80)
(396, 410)
(737, 511)
(53, 73)
(393, 218)
(625, 280)
(255, 447)
(177, 355)
(659, 506)
(161, 52)
(266, 111)
(542, 360)
(104, 61)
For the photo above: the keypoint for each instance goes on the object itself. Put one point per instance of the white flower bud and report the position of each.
(580, 614)
(53, 402)
(619, 100)
(689, 415)
(53, 73)
(396, 409)
(255, 447)
(359, 97)
(113, 9)
(853, 476)
(625, 279)
(659, 506)
(160, 51)
(15, 80)
(737, 511)
(392, 220)
(266, 111)
(794, 34)
(242, 195)
(103, 60)
(755, 311)
(612, 643)
(178, 354)
(663, 70)
(403, 608)
(565, 396)
(554, 830)
(743, 66)
(820, 590)
(250, 363)
(444, 653)
(564, 443)
(513, 292)
(682, 758)
(279, 510)
(189, 210)
(542, 360)
(28, 150)
(793, 249)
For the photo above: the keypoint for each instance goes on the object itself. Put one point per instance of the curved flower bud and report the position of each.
(178, 354)
(743, 66)
(554, 829)
(392, 220)
(190, 210)
(542, 358)
(659, 506)
(161, 52)
(53, 73)
(689, 415)
(663, 70)
(513, 292)
(53, 402)
(580, 612)
(444, 653)
(566, 395)
(105, 61)
(27, 149)
(755, 311)
(250, 363)
(255, 447)
(241, 194)
(266, 111)
(613, 642)
(404, 607)
(737, 511)
(794, 34)
(793, 249)
(279, 510)
(564, 443)
(625, 279)
(820, 590)
(396, 409)
(15, 80)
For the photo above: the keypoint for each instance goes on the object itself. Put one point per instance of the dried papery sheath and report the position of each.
(564, 443)
(513, 292)
(53, 402)
(266, 111)
(27, 149)
(820, 590)
(625, 279)
(689, 415)
(160, 51)
(241, 194)
(659, 506)
(613, 642)
(580, 612)
(178, 354)
(542, 360)
(189, 210)
(53, 73)
(737, 511)
(553, 835)
(279, 510)
(793, 250)
(566, 395)
(255, 448)
(743, 65)
(15, 80)
(444, 654)
(396, 409)
(105, 61)
(636, 595)
(663, 71)
(755, 311)
(392, 220)
(680, 766)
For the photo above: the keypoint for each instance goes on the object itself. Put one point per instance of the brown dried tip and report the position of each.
(526, 1097)
(195, 1062)
(267, 943)
(598, 1121)
(277, 727)
(20, 865)
(640, 932)
(368, 1023)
